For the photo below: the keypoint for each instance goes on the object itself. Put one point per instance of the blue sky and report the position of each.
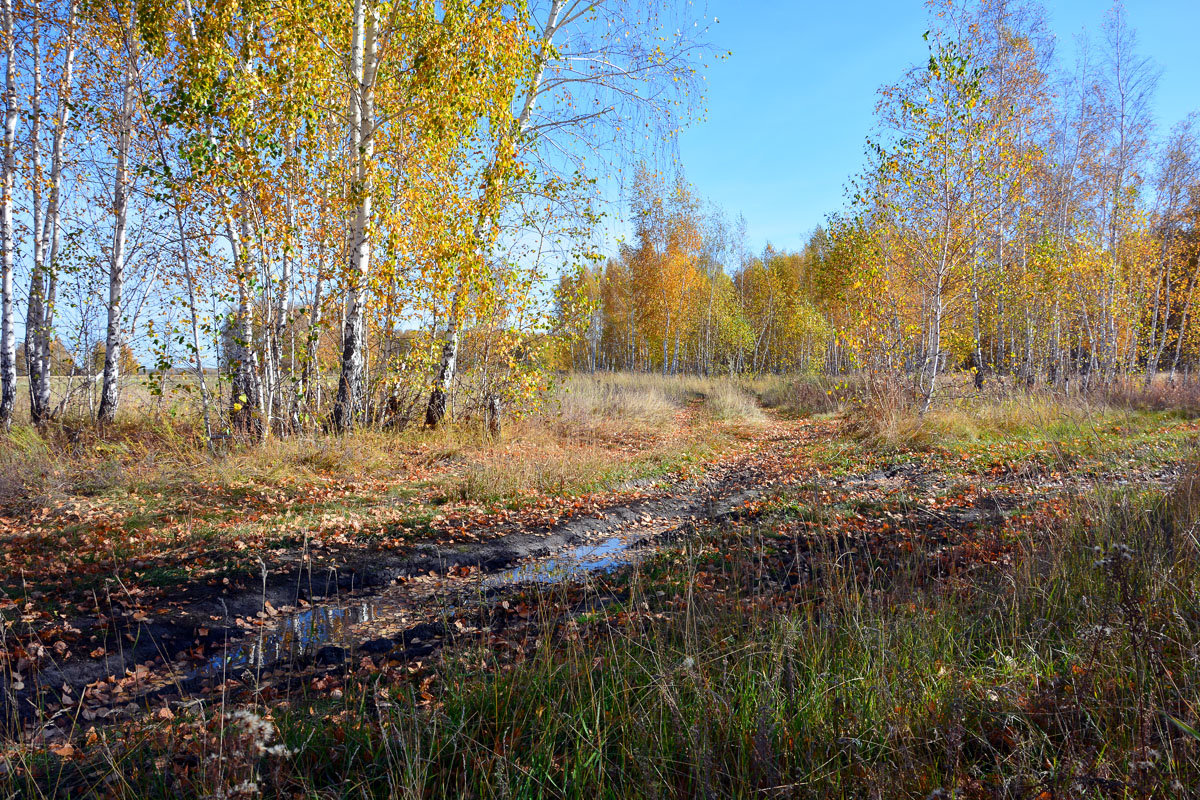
(788, 112)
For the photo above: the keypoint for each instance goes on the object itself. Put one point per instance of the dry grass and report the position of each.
(26, 465)
(77, 457)
(730, 402)
(614, 402)
(1162, 393)
(886, 412)
(597, 432)
(649, 399)
(806, 395)
(508, 474)
(901, 424)
(77, 397)
(603, 430)
(593, 402)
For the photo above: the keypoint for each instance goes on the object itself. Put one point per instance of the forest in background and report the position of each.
(1016, 217)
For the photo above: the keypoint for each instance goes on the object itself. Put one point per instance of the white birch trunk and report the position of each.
(8, 345)
(349, 406)
(34, 355)
(110, 388)
(246, 389)
(40, 324)
(310, 376)
(283, 291)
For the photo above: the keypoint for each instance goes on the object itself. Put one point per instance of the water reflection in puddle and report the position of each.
(603, 556)
(303, 633)
(299, 635)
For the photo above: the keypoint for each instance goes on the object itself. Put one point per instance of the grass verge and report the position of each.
(1041, 656)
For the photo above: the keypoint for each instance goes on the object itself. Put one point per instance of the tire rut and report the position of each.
(148, 655)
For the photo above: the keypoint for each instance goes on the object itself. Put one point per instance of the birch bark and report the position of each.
(8, 344)
(350, 403)
(44, 281)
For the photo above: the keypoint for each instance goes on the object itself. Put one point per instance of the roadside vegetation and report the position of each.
(995, 599)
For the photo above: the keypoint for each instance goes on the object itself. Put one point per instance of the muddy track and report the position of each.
(405, 606)
(147, 654)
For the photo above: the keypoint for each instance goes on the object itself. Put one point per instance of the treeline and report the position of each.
(1016, 217)
(683, 295)
(1021, 218)
(344, 211)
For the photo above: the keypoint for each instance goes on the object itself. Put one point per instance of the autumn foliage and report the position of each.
(310, 215)
(1010, 223)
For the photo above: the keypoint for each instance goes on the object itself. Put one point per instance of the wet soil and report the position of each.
(375, 603)
(403, 606)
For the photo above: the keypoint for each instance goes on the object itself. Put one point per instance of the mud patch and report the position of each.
(235, 636)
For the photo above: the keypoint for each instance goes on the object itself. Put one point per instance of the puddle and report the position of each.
(302, 634)
(603, 556)
(299, 635)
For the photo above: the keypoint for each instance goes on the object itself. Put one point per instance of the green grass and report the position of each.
(860, 687)
(788, 654)
(724, 671)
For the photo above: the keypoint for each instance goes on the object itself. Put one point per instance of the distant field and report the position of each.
(78, 396)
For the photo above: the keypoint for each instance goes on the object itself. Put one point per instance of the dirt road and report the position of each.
(212, 638)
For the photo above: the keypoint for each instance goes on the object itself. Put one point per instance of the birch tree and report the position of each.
(608, 78)
(127, 47)
(8, 346)
(934, 161)
(1125, 84)
(39, 325)
(364, 70)
(1178, 175)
